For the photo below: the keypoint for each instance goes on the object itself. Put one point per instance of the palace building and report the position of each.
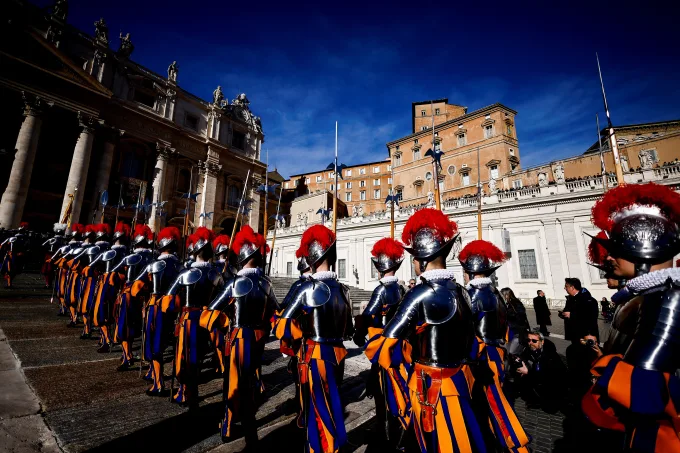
(94, 121)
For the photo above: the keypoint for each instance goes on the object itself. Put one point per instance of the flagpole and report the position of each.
(186, 211)
(266, 197)
(479, 199)
(335, 191)
(599, 140)
(392, 202)
(240, 205)
(437, 200)
(139, 195)
(612, 136)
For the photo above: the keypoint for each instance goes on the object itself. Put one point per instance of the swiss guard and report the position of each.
(435, 315)
(249, 302)
(61, 263)
(321, 315)
(193, 289)
(52, 246)
(386, 386)
(497, 419)
(12, 250)
(89, 278)
(639, 387)
(128, 309)
(78, 260)
(109, 285)
(158, 320)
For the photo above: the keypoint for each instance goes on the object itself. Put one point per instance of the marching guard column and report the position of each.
(77, 176)
(164, 153)
(14, 197)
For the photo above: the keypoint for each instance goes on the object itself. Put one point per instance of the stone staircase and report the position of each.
(359, 297)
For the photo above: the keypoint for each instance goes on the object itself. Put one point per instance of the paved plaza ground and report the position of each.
(62, 395)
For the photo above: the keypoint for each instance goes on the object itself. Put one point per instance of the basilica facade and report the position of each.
(82, 119)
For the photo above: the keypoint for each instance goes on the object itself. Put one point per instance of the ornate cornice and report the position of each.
(493, 162)
(34, 105)
(165, 152)
(88, 122)
(209, 168)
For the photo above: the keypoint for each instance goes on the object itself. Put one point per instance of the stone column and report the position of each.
(14, 197)
(160, 173)
(111, 136)
(77, 175)
(208, 171)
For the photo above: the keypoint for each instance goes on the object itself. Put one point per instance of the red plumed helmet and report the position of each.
(619, 200)
(190, 243)
(221, 243)
(389, 247)
(246, 243)
(122, 229)
(168, 235)
(316, 242)
(90, 229)
(597, 254)
(77, 228)
(103, 229)
(142, 233)
(23, 225)
(432, 219)
(482, 248)
(203, 237)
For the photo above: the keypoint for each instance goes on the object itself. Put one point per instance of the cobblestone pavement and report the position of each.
(90, 406)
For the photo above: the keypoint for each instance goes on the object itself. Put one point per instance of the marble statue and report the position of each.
(646, 158)
(218, 96)
(172, 71)
(624, 164)
(558, 173)
(492, 186)
(126, 46)
(60, 9)
(542, 179)
(430, 198)
(101, 32)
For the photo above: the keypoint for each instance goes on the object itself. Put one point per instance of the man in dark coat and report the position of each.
(542, 374)
(542, 313)
(580, 312)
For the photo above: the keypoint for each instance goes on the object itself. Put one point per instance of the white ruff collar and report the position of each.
(389, 279)
(652, 279)
(202, 264)
(139, 250)
(117, 247)
(438, 274)
(479, 282)
(100, 243)
(248, 271)
(168, 256)
(325, 275)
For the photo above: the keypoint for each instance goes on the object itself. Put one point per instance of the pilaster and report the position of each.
(208, 170)
(163, 154)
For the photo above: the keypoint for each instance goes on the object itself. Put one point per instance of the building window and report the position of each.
(493, 171)
(462, 141)
(332, 187)
(513, 166)
(376, 194)
(415, 141)
(389, 168)
(510, 130)
(488, 131)
(331, 175)
(145, 98)
(436, 111)
(348, 185)
(289, 268)
(419, 190)
(374, 271)
(342, 268)
(376, 182)
(512, 152)
(396, 148)
(389, 180)
(362, 195)
(451, 170)
(233, 195)
(362, 171)
(318, 178)
(376, 169)
(238, 140)
(400, 194)
(191, 121)
(397, 160)
(527, 264)
(362, 183)
(428, 176)
(348, 172)
(307, 181)
(422, 113)
(423, 128)
(285, 185)
(466, 179)
(416, 155)
(517, 184)
(348, 196)
(183, 181)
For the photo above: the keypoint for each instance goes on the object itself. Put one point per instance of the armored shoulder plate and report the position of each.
(314, 293)
(76, 251)
(483, 299)
(64, 249)
(108, 255)
(157, 267)
(438, 301)
(133, 259)
(94, 250)
(239, 286)
(190, 276)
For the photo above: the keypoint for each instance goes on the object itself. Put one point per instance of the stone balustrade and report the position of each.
(667, 172)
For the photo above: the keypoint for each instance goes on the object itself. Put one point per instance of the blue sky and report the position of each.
(306, 65)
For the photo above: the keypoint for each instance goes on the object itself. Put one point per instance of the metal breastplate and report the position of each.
(92, 253)
(656, 343)
(623, 327)
(445, 343)
(113, 257)
(331, 321)
(292, 292)
(391, 295)
(253, 309)
(489, 314)
(163, 273)
(200, 285)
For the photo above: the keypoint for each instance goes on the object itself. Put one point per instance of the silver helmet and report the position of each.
(427, 244)
(247, 251)
(478, 264)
